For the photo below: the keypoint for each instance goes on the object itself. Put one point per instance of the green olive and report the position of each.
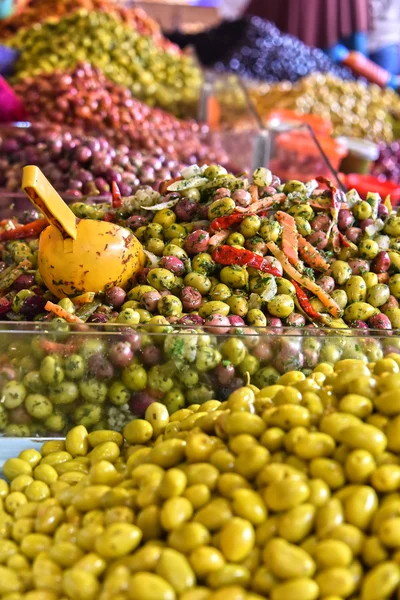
(378, 295)
(356, 289)
(221, 207)
(199, 281)
(220, 292)
(294, 186)
(359, 311)
(394, 285)
(161, 279)
(362, 210)
(368, 249)
(270, 231)
(169, 306)
(281, 306)
(212, 308)
(235, 239)
(341, 271)
(203, 263)
(234, 276)
(238, 305)
(250, 226)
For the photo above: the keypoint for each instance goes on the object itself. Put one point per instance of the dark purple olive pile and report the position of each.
(79, 164)
(387, 167)
(257, 49)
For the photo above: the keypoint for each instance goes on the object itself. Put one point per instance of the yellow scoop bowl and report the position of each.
(78, 256)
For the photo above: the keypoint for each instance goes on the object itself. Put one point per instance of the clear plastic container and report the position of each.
(54, 375)
(361, 155)
(295, 155)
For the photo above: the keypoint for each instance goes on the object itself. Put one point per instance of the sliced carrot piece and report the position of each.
(326, 300)
(311, 256)
(165, 184)
(253, 190)
(86, 298)
(62, 313)
(290, 244)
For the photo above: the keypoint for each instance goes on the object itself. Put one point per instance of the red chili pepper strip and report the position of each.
(116, 195)
(305, 302)
(227, 255)
(28, 230)
(345, 242)
(227, 222)
(337, 195)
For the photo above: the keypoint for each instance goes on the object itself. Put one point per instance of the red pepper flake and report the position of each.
(227, 222)
(305, 302)
(227, 255)
(24, 231)
(116, 195)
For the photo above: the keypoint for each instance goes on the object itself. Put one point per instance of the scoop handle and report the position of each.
(42, 194)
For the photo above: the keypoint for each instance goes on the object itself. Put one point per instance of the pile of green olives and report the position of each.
(152, 73)
(288, 491)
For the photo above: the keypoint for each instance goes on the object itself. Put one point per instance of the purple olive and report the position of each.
(121, 354)
(23, 282)
(115, 296)
(173, 264)
(100, 367)
(98, 317)
(33, 305)
(391, 303)
(131, 336)
(345, 219)
(358, 266)
(379, 321)
(274, 322)
(142, 275)
(224, 373)
(191, 298)
(136, 221)
(295, 320)
(320, 223)
(365, 223)
(383, 211)
(151, 355)
(191, 320)
(5, 305)
(353, 234)
(139, 403)
(327, 283)
(263, 352)
(218, 324)
(358, 324)
(236, 321)
(318, 239)
(381, 262)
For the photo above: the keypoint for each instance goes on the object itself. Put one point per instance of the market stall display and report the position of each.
(356, 109)
(282, 492)
(153, 74)
(254, 48)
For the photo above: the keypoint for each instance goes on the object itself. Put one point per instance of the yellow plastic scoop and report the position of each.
(78, 256)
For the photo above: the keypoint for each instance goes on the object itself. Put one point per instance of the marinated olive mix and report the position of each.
(223, 252)
(284, 492)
